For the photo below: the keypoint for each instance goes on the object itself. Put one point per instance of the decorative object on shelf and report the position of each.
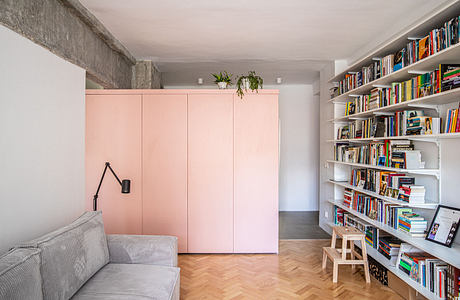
(125, 184)
(444, 226)
(248, 82)
(223, 80)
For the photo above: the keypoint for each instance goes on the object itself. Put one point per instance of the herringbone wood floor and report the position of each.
(293, 274)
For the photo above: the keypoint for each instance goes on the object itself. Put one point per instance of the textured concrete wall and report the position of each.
(146, 76)
(70, 31)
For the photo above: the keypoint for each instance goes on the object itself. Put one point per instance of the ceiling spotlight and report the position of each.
(200, 80)
(279, 80)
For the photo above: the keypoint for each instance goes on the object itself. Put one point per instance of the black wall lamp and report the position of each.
(125, 184)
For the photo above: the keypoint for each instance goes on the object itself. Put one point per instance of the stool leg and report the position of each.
(334, 237)
(335, 272)
(352, 248)
(366, 264)
(344, 247)
(324, 259)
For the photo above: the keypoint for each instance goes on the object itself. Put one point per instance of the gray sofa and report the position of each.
(81, 262)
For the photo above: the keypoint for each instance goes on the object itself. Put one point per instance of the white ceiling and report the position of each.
(289, 38)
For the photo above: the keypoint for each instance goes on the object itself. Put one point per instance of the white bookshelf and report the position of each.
(432, 178)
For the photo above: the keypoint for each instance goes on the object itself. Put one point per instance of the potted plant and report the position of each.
(246, 82)
(223, 79)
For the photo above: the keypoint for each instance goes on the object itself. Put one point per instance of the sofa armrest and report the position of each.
(143, 249)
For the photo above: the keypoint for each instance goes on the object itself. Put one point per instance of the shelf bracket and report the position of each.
(415, 72)
(426, 106)
(381, 113)
(427, 140)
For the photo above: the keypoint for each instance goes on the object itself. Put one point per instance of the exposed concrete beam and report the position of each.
(69, 30)
(146, 76)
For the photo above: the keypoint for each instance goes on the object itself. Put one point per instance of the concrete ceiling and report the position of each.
(291, 38)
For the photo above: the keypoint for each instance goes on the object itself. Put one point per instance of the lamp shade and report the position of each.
(126, 186)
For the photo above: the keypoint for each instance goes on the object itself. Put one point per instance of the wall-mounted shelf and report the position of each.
(436, 99)
(430, 172)
(426, 205)
(425, 137)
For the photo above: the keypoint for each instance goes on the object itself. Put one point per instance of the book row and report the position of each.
(445, 78)
(393, 215)
(415, 50)
(389, 184)
(398, 154)
(401, 123)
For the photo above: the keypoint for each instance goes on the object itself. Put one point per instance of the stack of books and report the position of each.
(413, 194)
(389, 248)
(450, 76)
(371, 236)
(412, 223)
(452, 121)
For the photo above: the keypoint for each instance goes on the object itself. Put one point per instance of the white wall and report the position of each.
(42, 140)
(299, 150)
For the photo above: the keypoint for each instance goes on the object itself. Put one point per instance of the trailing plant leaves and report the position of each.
(255, 82)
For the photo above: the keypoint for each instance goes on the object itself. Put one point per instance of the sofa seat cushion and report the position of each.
(132, 282)
(20, 275)
(71, 255)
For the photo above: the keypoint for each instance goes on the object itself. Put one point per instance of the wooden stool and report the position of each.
(339, 256)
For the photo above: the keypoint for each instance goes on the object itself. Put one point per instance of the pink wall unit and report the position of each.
(203, 166)
(113, 134)
(164, 156)
(256, 174)
(210, 173)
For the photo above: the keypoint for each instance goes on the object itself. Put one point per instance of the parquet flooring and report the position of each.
(293, 274)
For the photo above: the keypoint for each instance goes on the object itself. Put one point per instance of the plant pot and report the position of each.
(222, 85)
(245, 84)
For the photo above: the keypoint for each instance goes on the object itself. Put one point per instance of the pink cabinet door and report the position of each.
(164, 153)
(256, 174)
(210, 173)
(113, 134)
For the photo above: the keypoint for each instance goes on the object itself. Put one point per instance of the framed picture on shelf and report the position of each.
(444, 226)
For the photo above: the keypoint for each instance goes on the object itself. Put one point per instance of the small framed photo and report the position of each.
(444, 226)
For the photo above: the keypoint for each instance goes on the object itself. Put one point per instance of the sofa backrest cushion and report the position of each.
(20, 275)
(71, 255)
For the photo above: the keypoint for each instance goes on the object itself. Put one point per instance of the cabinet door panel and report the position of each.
(165, 166)
(256, 174)
(210, 173)
(113, 134)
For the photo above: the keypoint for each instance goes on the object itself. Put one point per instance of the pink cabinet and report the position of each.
(256, 174)
(113, 134)
(164, 171)
(210, 173)
(203, 166)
